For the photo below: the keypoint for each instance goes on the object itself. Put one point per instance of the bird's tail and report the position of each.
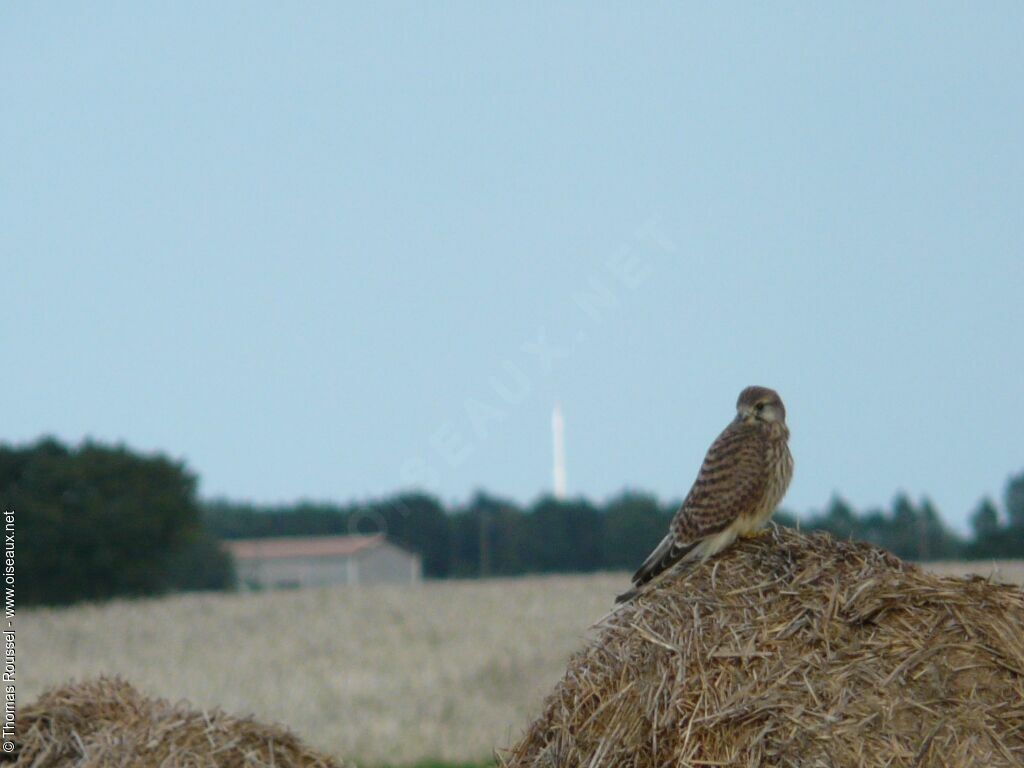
(665, 555)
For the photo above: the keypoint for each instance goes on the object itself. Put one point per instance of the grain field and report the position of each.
(375, 674)
(445, 670)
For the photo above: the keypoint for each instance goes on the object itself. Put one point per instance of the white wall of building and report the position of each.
(383, 564)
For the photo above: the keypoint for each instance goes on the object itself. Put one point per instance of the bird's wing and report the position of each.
(665, 555)
(730, 483)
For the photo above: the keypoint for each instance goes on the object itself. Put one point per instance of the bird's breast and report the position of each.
(779, 472)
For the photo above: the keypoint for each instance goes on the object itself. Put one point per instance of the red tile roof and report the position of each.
(301, 546)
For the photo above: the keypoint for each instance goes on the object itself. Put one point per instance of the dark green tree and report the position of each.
(415, 521)
(992, 537)
(985, 520)
(839, 520)
(566, 536)
(634, 523)
(873, 526)
(1014, 502)
(201, 565)
(96, 521)
(904, 529)
(936, 541)
(493, 537)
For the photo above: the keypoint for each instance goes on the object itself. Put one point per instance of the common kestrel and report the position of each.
(743, 478)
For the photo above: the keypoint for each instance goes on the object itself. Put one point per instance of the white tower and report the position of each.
(558, 440)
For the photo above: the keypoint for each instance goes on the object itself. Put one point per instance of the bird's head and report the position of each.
(760, 404)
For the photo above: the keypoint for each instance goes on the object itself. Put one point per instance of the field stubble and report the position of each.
(445, 670)
(374, 674)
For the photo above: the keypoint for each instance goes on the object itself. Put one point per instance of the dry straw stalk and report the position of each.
(106, 722)
(794, 650)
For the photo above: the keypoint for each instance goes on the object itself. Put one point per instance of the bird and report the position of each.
(743, 478)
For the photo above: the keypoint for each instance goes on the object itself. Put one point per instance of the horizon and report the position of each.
(453, 504)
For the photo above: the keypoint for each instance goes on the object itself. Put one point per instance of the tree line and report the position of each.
(98, 521)
(490, 536)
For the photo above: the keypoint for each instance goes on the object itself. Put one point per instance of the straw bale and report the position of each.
(107, 722)
(794, 650)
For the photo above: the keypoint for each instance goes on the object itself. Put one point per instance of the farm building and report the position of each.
(315, 561)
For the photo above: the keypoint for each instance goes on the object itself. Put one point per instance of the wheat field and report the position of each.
(375, 674)
(379, 675)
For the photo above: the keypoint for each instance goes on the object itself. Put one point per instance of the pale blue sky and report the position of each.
(294, 245)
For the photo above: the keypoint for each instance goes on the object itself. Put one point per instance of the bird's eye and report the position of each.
(759, 407)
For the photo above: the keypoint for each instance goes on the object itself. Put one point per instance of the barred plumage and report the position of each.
(743, 478)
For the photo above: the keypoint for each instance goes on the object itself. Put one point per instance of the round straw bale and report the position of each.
(794, 650)
(107, 722)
